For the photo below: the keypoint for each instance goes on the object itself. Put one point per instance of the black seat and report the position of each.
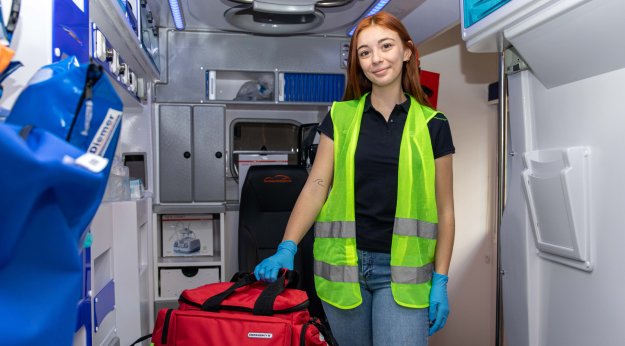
(267, 199)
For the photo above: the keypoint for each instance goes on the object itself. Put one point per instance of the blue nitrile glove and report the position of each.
(439, 306)
(268, 269)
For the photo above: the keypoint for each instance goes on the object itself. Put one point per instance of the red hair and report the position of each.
(357, 82)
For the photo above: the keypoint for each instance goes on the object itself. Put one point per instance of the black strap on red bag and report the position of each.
(323, 329)
(264, 303)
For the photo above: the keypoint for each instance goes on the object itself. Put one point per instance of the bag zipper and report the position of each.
(298, 307)
(94, 72)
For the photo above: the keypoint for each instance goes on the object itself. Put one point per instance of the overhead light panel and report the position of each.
(281, 17)
(375, 8)
(176, 13)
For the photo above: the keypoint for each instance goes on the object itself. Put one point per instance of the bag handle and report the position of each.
(213, 303)
(264, 303)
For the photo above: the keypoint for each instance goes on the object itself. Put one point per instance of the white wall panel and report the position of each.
(463, 95)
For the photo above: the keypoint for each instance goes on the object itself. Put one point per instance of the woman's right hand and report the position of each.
(268, 269)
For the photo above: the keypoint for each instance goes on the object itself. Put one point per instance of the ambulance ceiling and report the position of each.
(423, 18)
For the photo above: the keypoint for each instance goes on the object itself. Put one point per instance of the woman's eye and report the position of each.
(387, 45)
(363, 53)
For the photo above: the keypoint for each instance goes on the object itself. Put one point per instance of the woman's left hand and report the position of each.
(439, 305)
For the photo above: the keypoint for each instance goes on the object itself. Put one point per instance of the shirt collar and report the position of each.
(405, 105)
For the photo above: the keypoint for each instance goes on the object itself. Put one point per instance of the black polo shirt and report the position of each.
(376, 162)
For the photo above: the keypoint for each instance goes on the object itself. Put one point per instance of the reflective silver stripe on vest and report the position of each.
(336, 273)
(412, 275)
(415, 228)
(335, 229)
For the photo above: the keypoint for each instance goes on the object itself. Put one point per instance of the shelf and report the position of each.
(191, 261)
(189, 208)
(277, 104)
(170, 300)
(107, 15)
(173, 274)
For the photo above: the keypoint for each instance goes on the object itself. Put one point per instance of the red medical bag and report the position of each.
(242, 312)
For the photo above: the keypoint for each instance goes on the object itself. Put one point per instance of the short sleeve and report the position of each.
(327, 127)
(440, 135)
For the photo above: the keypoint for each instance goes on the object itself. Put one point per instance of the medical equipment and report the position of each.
(186, 241)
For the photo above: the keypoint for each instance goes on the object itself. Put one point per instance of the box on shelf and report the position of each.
(174, 280)
(187, 235)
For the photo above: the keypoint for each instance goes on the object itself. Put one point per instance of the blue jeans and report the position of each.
(379, 320)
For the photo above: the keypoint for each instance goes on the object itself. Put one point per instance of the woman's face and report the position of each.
(381, 54)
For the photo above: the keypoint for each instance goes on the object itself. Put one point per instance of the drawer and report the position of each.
(174, 280)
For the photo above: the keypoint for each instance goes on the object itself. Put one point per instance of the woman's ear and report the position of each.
(408, 51)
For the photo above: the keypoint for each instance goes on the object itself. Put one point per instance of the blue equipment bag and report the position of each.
(48, 199)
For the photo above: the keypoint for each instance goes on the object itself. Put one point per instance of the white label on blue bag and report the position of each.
(102, 138)
(92, 162)
(259, 335)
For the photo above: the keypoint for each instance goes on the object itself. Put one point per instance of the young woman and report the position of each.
(380, 191)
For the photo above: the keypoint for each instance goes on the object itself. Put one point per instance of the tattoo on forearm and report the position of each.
(319, 182)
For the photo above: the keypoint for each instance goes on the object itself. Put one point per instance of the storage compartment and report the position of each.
(187, 235)
(174, 280)
(191, 147)
(311, 87)
(556, 189)
(137, 167)
(240, 86)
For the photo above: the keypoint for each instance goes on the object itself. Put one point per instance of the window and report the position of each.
(264, 137)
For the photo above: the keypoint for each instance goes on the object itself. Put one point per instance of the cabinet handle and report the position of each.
(218, 154)
(186, 154)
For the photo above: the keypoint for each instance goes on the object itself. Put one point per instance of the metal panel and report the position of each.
(209, 168)
(190, 54)
(174, 144)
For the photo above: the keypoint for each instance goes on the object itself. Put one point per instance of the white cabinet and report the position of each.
(120, 262)
(190, 153)
(188, 266)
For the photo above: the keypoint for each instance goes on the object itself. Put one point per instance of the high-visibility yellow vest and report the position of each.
(416, 218)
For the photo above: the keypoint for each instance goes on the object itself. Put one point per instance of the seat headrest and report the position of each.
(273, 187)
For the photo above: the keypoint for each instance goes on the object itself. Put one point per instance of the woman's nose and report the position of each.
(376, 57)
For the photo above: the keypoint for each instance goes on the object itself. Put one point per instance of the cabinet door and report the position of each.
(175, 154)
(209, 181)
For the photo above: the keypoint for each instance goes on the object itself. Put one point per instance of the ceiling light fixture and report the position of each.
(270, 19)
(375, 8)
(176, 13)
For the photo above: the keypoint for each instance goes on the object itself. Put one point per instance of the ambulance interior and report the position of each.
(210, 88)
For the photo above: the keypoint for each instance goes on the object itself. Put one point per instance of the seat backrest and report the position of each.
(267, 199)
